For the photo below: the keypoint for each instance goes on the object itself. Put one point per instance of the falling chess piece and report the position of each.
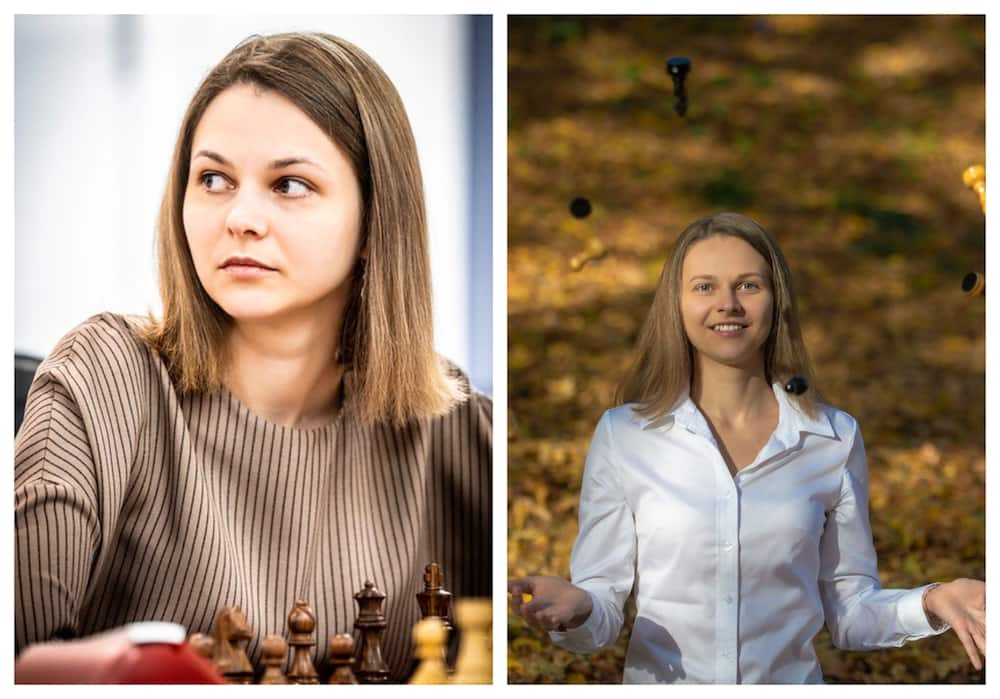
(230, 632)
(430, 638)
(678, 68)
(797, 386)
(203, 645)
(341, 658)
(273, 650)
(974, 284)
(302, 639)
(371, 667)
(580, 207)
(594, 250)
(974, 178)
(475, 619)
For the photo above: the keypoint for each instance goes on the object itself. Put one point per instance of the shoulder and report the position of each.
(473, 398)
(99, 357)
(845, 426)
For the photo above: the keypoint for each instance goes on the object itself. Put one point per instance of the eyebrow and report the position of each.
(713, 277)
(274, 164)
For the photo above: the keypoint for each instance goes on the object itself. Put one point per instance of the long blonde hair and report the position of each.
(387, 333)
(662, 368)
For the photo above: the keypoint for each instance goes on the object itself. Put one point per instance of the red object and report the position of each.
(113, 658)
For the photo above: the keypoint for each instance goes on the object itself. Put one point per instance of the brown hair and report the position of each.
(663, 365)
(387, 334)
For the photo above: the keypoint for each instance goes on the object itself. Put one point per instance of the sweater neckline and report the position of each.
(347, 385)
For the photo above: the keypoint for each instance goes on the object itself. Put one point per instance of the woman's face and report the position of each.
(266, 183)
(727, 301)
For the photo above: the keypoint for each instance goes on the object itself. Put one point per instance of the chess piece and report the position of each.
(974, 284)
(341, 658)
(371, 667)
(272, 655)
(230, 632)
(435, 603)
(974, 178)
(429, 640)
(203, 645)
(474, 664)
(302, 639)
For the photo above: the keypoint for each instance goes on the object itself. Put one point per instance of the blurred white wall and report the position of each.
(98, 102)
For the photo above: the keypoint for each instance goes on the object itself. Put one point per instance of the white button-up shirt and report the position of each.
(733, 576)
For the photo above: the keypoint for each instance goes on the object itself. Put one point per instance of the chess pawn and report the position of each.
(230, 632)
(203, 645)
(429, 639)
(341, 657)
(474, 664)
(371, 667)
(302, 625)
(273, 650)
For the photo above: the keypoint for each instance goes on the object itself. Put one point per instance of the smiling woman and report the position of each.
(286, 430)
(738, 512)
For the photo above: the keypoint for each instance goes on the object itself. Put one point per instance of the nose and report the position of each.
(248, 215)
(731, 303)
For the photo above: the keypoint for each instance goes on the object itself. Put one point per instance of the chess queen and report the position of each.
(737, 510)
(286, 429)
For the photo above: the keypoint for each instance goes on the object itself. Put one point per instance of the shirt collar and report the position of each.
(792, 421)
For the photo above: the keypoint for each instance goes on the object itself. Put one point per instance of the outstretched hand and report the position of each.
(549, 603)
(962, 604)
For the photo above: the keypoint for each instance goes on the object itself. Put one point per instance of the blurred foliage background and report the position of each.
(847, 138)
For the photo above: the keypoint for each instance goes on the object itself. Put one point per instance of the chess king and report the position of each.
(286, 429)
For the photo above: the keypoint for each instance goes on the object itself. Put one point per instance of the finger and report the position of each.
(980, 640)
(970, 648)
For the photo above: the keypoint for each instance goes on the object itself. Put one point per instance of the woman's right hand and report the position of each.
(555, 604)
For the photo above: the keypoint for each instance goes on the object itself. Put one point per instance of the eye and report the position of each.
(749, 285)
(703, 286)
(207, 179)
(293, 187)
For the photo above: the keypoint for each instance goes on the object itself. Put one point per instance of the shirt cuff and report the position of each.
(912, 616)
(580, 639)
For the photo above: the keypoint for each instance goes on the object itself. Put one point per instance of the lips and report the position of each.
(244, 262)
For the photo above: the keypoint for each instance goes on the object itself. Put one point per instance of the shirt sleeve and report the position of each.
(71, 464)
(859, 613)
(603, 558)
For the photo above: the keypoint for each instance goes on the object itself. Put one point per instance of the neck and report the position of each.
(285, 371)
(730, 395)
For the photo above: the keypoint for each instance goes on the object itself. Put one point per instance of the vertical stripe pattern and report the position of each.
(133, 502)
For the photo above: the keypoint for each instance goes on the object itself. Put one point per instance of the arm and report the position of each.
(859, 613)
(604, 556)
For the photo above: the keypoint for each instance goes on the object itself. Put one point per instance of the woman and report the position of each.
(285, 430)
(738, 511)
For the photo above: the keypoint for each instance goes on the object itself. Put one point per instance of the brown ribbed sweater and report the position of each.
(134, 502)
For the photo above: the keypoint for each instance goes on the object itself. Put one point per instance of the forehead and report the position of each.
(246, 124)
(723, 254)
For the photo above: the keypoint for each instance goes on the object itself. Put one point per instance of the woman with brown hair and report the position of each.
(737, 509)
(286, 429)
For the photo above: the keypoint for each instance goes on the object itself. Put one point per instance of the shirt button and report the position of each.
(728, 546)
(729, 599)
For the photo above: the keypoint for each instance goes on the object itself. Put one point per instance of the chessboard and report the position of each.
(289, 659)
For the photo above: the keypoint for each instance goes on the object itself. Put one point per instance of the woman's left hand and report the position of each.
(962, 604)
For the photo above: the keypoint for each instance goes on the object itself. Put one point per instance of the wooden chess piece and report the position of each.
(429, 640)
(474, 664)
(371, 667)
(203, 644)
(974, 178)
(341, 658)
(230, 632)
(273, 650)
(435, 602)
(302, 639)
